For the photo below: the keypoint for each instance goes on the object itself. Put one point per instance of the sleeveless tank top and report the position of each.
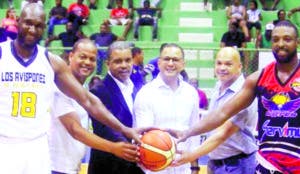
(26, 92)
(279, 122)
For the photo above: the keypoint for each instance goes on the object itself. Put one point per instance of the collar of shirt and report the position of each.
(124, 86)
(161, 84)
(235, 86)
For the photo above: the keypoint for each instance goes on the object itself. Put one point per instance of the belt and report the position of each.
(230, 161)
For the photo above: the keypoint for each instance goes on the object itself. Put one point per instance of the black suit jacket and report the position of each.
(110, 95)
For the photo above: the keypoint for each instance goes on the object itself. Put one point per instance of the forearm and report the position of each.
(213, 120)
(102, 114)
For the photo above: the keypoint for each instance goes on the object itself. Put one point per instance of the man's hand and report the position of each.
(180, 135)
(126, 151)
(135, 133)
(184, 157)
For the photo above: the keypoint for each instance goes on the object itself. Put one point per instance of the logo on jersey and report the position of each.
(280, 105)
(295, 85)
(285, 131)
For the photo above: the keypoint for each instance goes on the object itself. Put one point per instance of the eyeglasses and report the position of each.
(174, 59)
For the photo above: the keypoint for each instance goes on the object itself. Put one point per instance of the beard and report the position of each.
(287, 59)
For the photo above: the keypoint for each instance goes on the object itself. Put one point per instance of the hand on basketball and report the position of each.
(184, 157)
(133, 133)
(180, 135)
(126, 151)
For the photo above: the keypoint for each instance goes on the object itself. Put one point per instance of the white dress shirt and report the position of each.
(156, 104)
(126, 90)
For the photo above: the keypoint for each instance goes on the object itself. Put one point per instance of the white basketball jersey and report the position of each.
(26, 92)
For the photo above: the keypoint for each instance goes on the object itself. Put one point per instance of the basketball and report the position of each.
(157, 150)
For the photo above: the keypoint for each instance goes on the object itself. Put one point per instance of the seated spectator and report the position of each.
(254, 18)
(237, 13)
(235, 38)
(110, 4)
(25, 2)
(266, 41)
(146, 17)
(103, 39)
(93, 5)
(292, 11)
(203, 101)
(68, 39)
(57, 16)
(153, 3)
(138, 74)
(120, 16)
(95, 81)
(78, 14)
(9, 23)
(281, 14)
(273, 7)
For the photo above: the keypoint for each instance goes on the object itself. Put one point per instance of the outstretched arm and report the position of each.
(68, 84)
(217, 117)
(292, 11)
(221, 134)
(120, 149)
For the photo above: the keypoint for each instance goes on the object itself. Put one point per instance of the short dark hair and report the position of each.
(166, 45)
(136, 50)
(255, 3)
(279, 11)
(118, 45)
(287, 23)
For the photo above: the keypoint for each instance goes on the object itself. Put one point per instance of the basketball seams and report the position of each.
(157, 150)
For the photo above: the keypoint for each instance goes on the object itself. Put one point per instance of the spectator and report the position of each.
(78, 14)
(57, 16)
(254, 18)
(233, 37)
(95, 81)
(292, 11)
(168, 102)
(120, 16)
(68, 39)
(25, 2)
(266, 42)
(138, 74)
(103, 39)
(110, 4)
(117, 94)
(203, 101)
(9, 23)
(237, 13)
(93, 4)
(281, 14)
(146, 17)
(153, 3)
(152, 67)
(273, 7)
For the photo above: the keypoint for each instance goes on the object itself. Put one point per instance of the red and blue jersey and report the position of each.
(279, 120)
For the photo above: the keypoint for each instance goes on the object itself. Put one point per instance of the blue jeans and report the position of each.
(244, 166)
(55, 21)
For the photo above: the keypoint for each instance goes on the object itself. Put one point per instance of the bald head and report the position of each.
(228, 66)
(33, 9)
(229, 53)
(31, 26)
